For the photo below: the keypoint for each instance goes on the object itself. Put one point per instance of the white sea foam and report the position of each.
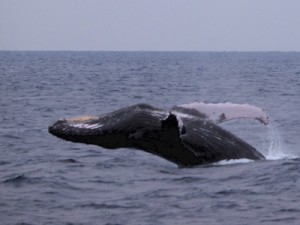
(233, 161)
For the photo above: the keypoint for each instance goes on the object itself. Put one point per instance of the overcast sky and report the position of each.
(163, 25)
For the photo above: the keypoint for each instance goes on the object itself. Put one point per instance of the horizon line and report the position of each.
(204, 51)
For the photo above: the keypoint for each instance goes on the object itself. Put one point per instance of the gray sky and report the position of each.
(164, 25)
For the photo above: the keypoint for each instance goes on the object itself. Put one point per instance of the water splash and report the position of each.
(275, 150)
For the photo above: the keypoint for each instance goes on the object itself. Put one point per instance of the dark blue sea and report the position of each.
(45, 180)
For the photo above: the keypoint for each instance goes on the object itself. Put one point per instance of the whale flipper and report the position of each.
(221, 112)
(184, 139)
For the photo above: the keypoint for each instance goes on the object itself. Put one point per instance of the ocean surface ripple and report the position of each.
(44, 180)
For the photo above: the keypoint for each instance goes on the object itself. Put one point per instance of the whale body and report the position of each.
(186, 135)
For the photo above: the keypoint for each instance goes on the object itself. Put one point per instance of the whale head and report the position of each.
(113, 130)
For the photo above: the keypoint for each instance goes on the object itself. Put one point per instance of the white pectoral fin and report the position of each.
(222, 112)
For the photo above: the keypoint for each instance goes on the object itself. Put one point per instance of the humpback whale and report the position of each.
(186, 135)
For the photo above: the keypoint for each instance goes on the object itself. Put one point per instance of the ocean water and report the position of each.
(45, 180)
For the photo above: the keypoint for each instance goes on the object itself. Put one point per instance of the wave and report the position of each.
(69, 160)
(21, 179)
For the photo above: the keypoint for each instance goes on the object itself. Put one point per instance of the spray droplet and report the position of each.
(275, 150)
